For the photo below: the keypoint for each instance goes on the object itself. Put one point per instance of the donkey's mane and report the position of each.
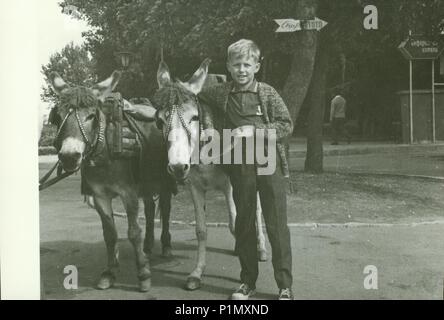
(80, 97)
(171, 94)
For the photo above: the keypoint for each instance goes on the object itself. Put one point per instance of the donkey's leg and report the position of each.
(261, 250)
(149, 209)
(195, 278)
(228, 192)
(103, 207)
(131, 203)
(165, 210)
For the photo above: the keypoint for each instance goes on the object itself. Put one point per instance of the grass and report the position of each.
(325, 198)
(340, 198)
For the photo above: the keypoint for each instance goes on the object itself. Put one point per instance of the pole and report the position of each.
(433, 103)
(161, 52)
(411, 101)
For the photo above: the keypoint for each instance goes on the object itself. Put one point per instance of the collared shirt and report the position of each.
(244, 107)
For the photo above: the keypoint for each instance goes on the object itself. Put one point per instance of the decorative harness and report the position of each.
(175, 108)
(92, 148)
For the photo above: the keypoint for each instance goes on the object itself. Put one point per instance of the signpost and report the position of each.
(419, 48)
(292, 25)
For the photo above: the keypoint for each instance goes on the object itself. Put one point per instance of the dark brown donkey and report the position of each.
(82, 144)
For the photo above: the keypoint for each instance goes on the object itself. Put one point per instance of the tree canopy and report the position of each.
(188, 31)
(75, 66)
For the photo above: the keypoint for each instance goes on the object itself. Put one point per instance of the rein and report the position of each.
(43, 183)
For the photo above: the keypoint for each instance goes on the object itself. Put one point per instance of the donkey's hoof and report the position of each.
(262, 256)
(193, 283)
(106, 281)
(167, 252)
(145, 285)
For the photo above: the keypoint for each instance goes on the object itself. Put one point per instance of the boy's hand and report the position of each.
(129, 107)
(142, 111)
(246, 131)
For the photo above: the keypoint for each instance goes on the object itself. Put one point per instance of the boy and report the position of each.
(245, 105)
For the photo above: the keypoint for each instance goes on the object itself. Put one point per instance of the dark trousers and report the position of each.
(272, 191)
(339, 130)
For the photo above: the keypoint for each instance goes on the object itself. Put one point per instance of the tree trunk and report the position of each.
(314, 158)
(298, 81)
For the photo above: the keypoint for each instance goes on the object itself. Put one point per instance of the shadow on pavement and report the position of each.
(168, 274)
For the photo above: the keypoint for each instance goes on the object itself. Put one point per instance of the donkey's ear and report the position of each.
(57, 83)
(104, 88)
(163, 75)
(197, 81)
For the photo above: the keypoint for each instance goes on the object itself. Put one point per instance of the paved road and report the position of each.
(328, 261)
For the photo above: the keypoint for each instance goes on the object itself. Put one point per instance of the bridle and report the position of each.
(92, 148)
(179, 110)
(175, 108)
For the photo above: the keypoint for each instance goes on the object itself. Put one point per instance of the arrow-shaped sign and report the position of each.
(288, 25)
(292, 25)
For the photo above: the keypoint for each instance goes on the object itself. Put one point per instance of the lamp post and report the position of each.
(125, 57)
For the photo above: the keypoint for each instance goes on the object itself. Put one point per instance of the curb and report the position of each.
(404, 148)
(312, 225)
(389, 174)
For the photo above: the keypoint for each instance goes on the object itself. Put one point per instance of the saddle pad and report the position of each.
(122, 139)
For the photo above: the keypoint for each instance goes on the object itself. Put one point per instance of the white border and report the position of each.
(19, 202)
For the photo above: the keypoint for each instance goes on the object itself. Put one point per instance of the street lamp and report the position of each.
(124, 57)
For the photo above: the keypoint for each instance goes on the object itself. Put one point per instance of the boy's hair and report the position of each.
(242, 48)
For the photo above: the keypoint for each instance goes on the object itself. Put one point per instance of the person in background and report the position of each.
(337, 118)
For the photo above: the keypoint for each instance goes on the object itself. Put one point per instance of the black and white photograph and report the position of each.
(226, 150)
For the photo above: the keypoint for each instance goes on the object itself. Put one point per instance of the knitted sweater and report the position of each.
(275, 114)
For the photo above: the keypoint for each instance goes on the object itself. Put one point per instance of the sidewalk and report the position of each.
(298, 147)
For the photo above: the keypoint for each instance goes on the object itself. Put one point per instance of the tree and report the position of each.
(378, 68)
(75, 66)
(187, 31)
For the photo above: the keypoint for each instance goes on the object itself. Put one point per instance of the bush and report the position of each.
(49, 132)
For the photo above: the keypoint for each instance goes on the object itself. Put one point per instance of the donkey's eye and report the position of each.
(90, 117)
(159, 124)
(195, 118)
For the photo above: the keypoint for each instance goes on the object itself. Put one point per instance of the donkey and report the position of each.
(81, 144)
(178, 116)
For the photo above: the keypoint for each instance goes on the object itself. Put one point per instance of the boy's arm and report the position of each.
(208, 95)
(139, 111)
(332, 110)
(282, 120)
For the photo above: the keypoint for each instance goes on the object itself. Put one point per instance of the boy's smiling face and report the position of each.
(242, 69)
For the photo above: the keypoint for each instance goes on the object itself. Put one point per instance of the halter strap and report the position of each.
(176, 109)
(94, 148)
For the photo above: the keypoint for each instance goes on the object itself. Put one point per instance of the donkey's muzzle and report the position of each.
(70, 161)
(179, 171)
